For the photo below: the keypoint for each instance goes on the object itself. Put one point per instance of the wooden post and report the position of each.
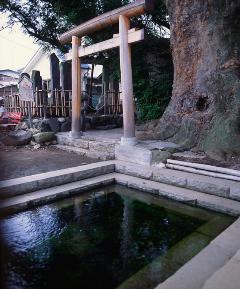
(127, 85)
(76, 89)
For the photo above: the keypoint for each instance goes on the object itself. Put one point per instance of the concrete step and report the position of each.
(62, 181)
(44, 196)
(23, 185)
(187, 196)
(95, 154)
(205, 184)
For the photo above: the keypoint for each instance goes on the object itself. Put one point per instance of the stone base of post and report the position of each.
(75, 134)
(130, 141)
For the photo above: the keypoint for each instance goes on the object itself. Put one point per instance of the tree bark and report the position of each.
(204, 111)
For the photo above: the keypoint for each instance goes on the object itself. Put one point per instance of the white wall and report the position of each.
(43, 65)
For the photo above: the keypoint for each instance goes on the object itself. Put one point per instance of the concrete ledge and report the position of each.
(195, 273)
(206, 265)
(227, 276)
(45, 196)
(200, 183)
(212, 202)
(104, 155)
(59, 180)
(32, 183)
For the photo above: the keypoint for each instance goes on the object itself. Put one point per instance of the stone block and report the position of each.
(194, 273)
(66, 75)
(169, 178)
(218, 204)
(55, 72)
(229, 240)
(235, 192)
(207, 187)
(92, 172)
(37, 80)
(101, 147)
(228, 277)
(133, 170)
(215, 226)
(133, 154)
(80, 143)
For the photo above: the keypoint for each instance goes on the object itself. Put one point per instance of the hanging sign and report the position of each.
(26, 89)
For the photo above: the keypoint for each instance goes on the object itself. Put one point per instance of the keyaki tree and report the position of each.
(204, 111)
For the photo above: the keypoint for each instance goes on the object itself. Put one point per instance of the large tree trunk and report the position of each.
(204, 111)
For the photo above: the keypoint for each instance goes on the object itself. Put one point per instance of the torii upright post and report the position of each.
(76, 89)
(127, 83)
(124, 39)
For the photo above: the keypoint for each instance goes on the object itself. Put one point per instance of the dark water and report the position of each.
(97, 243)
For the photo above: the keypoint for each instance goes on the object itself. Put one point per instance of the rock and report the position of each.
(105, 127)
(66, 126)
(189, 155)
(160, 156)
(61, 119)
(44, 126)
(173, 150)
(54, 142)
(22, 126)
(17, 138)
(119, 121)
(36, 146)
(43, 137)
(54, 124)
(35, 121)
(34, 130)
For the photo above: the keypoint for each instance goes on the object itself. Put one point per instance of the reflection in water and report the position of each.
(126, 242)
(96, 243)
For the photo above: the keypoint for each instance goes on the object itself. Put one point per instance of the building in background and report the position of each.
(54, 71)
(8, 82)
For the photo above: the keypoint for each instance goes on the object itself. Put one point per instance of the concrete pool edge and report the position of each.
(215, 256)
(199, 183)
(191, 197)
(204, 268)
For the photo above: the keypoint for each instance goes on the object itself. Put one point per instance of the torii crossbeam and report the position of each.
(123, 40)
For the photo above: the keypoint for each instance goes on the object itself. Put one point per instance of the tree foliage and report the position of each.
(46, 19)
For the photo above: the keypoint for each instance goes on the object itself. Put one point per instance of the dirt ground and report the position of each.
(231, 163)
(24, 161)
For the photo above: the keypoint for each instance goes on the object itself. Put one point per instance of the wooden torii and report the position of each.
(123, 40)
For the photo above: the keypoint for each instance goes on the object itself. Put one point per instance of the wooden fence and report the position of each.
(58, 103)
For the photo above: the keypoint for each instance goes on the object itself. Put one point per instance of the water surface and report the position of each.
(94, 243)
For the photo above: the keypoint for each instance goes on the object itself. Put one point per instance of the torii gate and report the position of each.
(123, 40)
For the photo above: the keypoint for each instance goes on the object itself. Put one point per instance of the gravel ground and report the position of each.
(25, 161)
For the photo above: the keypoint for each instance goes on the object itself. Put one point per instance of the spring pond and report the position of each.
(108, 238)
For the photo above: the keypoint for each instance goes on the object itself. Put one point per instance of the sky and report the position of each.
(16, 48)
